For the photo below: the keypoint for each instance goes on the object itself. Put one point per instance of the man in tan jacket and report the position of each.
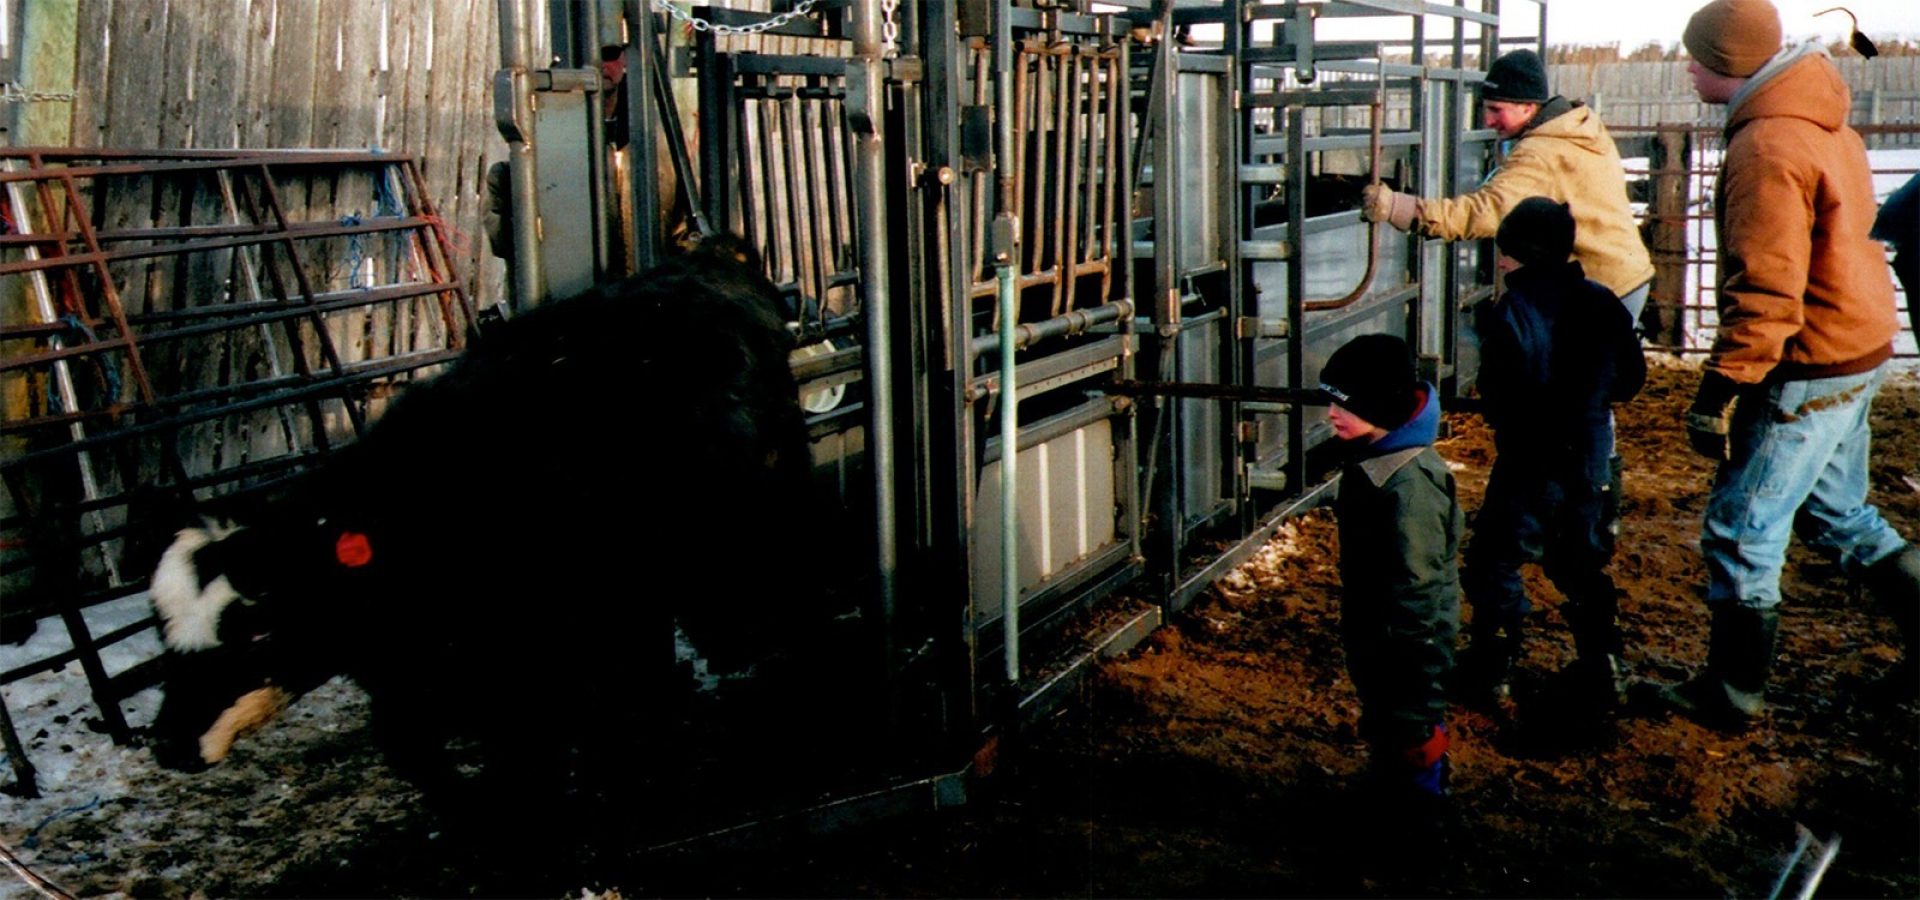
(1553, 148)
(1558, 149)
(1806, 327)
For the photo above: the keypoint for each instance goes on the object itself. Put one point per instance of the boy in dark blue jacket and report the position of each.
(1400, 589)
(1557, 351)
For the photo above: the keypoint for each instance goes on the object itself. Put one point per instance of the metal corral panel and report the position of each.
(1199, 162)
(1201, 483)
(1067, 512)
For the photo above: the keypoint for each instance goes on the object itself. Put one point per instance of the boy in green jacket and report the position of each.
(1399, 533)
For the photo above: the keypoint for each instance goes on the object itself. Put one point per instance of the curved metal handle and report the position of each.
(1373, 229)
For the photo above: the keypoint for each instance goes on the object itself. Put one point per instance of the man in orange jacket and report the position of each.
(1806, 327)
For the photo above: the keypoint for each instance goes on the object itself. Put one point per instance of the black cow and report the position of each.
(500, 560)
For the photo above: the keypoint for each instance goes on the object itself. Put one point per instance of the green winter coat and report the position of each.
(1400, 530)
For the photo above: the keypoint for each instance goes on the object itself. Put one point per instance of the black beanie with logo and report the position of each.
(1372, 376)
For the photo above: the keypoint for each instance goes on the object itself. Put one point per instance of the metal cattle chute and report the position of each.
(1062, 273)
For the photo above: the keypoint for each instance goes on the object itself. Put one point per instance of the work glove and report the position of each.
(1384, 204)
(1710, 420)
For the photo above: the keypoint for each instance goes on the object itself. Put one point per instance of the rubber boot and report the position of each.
(1598, 675)
(1894, 583)
(1485, 674)
(1731, 694)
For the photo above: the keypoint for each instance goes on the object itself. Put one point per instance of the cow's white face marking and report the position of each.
(190, 612)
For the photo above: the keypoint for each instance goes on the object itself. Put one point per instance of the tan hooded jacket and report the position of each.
(1804, 292)
(1569, 159)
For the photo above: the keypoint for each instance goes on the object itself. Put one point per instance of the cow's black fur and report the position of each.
(535, 515)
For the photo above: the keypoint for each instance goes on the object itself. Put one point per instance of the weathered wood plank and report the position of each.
(133, 90)
(296, 52)
(255, 80)
(90, 77)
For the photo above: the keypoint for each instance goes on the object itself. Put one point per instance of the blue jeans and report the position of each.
(1799, 466)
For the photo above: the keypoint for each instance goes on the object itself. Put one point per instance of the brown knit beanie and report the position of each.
(1734, 37)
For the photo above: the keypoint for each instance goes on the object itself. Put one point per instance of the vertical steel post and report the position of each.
(1296, 466)
(600, 193)
(1006, 257)
(513, 115)
(643, 136)
(1164, 489)
(949, 339)
(866, 112)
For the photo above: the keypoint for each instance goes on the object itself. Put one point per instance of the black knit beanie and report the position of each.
(1372, 377)
(1537, 231)
(1519, 77)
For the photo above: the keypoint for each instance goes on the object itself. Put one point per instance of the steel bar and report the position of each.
(513, 116)
(1076, 321)
(334, 385)
(1232, 393)
(1065, 112)
(248, 238)
(1006, 253)
(876, 307)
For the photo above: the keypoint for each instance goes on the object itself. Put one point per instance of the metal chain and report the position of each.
(11, 93)
(889, 30)
(802, 8)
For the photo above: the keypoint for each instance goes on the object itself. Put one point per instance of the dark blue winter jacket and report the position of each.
(1557, 351)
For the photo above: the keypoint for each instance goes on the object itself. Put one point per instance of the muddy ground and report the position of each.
(1217, 759)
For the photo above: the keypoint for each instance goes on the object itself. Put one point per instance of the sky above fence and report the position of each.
(1634, 23)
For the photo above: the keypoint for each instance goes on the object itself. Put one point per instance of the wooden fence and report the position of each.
(401, 76)
(1886, 91)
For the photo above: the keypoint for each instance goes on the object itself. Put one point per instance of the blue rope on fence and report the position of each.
(384, 202)
(75, 325)
(356, 254)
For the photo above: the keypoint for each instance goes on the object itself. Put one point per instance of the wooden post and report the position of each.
(1874, 110)
(1669, 163)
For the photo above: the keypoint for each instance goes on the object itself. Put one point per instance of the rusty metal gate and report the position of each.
(186, 324)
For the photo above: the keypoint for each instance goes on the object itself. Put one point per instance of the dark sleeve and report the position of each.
(1499, 356)
(1898, 222)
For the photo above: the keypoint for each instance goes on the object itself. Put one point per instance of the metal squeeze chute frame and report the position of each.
(1270, 266)
(1142, 204)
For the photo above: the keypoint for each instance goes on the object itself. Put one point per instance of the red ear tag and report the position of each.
(352, 549)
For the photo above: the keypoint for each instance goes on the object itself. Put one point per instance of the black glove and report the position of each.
(1710, 420)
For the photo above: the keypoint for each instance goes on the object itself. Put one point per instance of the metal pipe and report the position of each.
(1006, 252)
(1009, 476)
(643, 136)
(600, 190)
(1065, 66)
(869, 157)
(1073, 322)
(513, 116)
